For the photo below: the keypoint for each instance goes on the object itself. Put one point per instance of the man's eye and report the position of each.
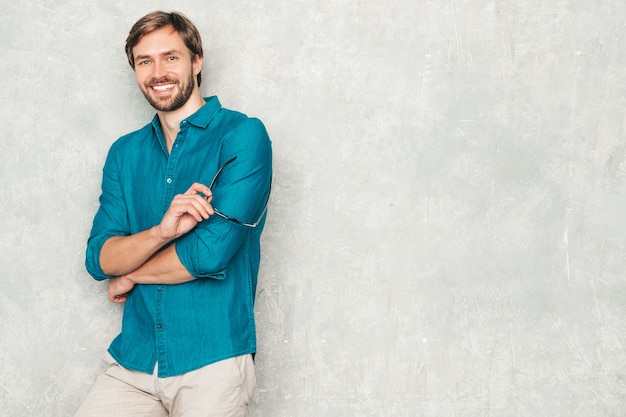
(145, 62)
(171, 58)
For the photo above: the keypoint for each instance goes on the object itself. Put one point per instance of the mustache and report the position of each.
(162, 80)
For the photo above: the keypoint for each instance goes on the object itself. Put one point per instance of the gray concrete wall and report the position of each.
(446, 233)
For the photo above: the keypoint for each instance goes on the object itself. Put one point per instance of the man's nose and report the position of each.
(158, 70)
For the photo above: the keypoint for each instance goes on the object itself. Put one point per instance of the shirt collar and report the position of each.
(203, 116)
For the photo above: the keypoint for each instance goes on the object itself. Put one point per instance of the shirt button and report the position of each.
(159, 326)
(160, 289)
(169, 180)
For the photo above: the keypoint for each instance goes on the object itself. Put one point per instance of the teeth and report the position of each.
(163, 87)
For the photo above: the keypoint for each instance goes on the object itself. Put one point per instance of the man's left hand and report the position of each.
(119, 288)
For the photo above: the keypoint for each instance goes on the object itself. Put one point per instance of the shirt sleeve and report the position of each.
(111, 218)
(241, 192)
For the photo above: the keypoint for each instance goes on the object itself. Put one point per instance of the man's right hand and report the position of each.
(186, 211)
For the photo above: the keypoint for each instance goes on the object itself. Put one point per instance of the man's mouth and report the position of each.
(163, 87)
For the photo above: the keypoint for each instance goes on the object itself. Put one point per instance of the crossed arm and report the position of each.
(135, 259)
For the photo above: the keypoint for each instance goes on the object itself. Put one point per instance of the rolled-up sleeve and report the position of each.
(241, 192)
(110, 220)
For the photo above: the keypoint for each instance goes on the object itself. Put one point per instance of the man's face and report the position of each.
(165, 70)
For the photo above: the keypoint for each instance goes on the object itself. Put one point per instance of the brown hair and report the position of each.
(157, 20)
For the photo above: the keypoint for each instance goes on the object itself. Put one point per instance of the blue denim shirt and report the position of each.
(190, 325)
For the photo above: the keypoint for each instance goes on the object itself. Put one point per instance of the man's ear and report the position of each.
(197, 64)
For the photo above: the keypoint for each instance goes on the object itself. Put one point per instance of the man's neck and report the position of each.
(170, 121)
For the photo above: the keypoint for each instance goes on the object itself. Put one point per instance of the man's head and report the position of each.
(157, 20)
(165, 50)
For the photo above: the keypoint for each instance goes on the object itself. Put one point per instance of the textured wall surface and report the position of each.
(446, 233)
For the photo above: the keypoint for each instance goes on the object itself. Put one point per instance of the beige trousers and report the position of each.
(222, 389)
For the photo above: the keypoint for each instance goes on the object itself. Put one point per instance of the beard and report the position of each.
(171, 103)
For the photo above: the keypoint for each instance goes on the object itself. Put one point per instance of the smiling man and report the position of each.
(177, 238)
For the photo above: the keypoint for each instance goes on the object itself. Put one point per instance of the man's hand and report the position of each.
(119, 288)
(186, 211)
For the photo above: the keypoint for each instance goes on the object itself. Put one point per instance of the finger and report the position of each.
(195, 206)
(196, 188)
(120, 298)
(196, 210)
(112, 296)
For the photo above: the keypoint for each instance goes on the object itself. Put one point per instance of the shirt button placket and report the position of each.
(172, 163)
(161, 327)
(160, 330)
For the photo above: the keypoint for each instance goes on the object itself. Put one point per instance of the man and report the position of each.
(177, 236)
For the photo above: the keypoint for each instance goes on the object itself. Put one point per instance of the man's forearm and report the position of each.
(164, 268)
(123, 254)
